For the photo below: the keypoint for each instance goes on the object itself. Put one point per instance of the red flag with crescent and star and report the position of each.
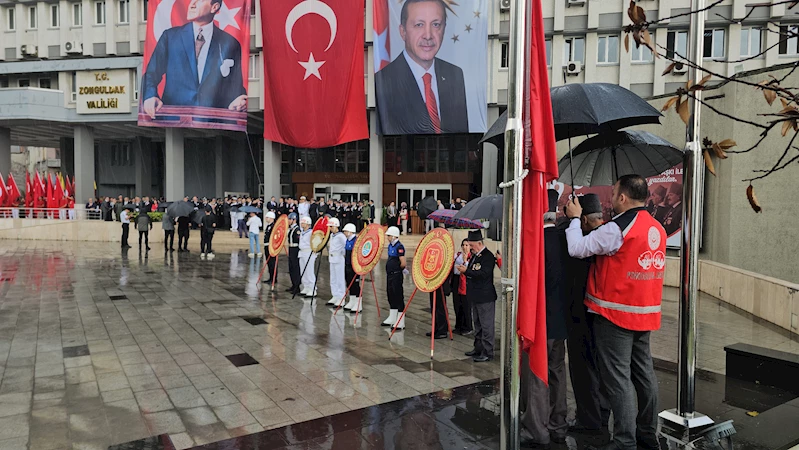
(313, 88)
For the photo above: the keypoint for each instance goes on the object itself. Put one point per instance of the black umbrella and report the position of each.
(602, 159)
(427, 206)
(163, 206)
(482, 208)
(197, 216)
(180, 209)
(130, 206)
(496, 133)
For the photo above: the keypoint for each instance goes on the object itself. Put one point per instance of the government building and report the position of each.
(53, 53)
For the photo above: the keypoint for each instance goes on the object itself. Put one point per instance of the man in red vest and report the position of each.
(624, 290)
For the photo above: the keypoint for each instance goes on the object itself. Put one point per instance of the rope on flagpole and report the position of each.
(515, 181)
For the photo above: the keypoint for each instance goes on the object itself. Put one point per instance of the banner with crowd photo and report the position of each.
(664, 202)
(430, 59)
(196, 58)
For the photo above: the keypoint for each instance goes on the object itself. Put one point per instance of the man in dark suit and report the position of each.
(482, 295)
(202, 65)
(672, 220)
(418, 93)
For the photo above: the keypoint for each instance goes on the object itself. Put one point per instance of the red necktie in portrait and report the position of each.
(430, 101)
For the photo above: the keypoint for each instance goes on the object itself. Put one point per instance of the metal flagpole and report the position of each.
(684, 417)
(511, 229)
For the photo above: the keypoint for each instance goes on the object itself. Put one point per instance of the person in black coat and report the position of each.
(482, 295)
(207, 228)
(269, 224)
(183, 233)
(313, 211)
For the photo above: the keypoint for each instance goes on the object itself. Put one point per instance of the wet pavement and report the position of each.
(100, 348)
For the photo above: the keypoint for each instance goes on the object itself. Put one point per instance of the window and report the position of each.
(11, 19)
(789, 38)
(574, 50)
(714, 44)
(677, 44)
(608, 49)
(124, 11)
(254, 69)
(751, 41)
(55, 20)
(135, 86)
(32, 17)
(99, 13)
(44, 83)
(74, 90)
(548, 45)
(77, 14)
(640, 54)
(503, 54)
(252, 7)
(145, 6)
(24, 82)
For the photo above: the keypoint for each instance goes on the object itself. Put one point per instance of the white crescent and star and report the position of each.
(311, 7)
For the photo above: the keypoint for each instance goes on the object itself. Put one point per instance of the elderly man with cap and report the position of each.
(672, 220)
(307, 258)
(482, 295)
(624, 291)
(395, 267)
(353, 280)
(544, 405)
(656, 205)
(592, 406)
(294, 254)
(336, 252)
(303, 208)
(269, 223)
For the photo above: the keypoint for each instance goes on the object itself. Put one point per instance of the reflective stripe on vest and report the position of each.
(623, 308)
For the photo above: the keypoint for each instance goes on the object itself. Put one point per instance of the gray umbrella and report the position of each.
(601, 160)
(426, 207)
(129, 206)
(482, 208)
(180, 209)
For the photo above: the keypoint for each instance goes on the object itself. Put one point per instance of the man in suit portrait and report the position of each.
(202, 65)
(417, 92)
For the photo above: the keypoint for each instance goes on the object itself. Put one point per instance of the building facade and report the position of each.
(52, 51)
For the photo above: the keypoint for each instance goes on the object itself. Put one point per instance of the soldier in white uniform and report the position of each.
(307, 258)
(336, 250)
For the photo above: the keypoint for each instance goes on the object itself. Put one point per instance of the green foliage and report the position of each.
(154, 216)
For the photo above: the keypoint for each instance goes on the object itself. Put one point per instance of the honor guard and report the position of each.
(394, 273)
(294, 254)
(336, 254)
(307, 258)
(269, 223)
(353, 279)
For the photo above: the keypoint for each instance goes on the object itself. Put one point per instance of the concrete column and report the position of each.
(84, 163)
(174, 165)
(376, 166)
(5, 151)
(490, 158)
(111, 20)
(134, 17)
(88, 22)
(142, 151)
(219, 164)
(272, 162)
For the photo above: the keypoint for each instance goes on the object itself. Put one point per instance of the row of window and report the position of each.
(752, 40)
(123, 14)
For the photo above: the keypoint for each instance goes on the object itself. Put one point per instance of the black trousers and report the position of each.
(484, 314)
(349, 274)
(440, 311)
(270, 266)
(205, 241)
(593, 409)
(294, 269)
(463, 312)
(183, 239)
(396, 298)
(125, 233)
(169, 235)
(146, 235)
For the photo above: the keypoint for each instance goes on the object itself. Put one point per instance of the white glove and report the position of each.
(405, 271)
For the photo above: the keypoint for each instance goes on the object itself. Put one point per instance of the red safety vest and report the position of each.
(626, 288)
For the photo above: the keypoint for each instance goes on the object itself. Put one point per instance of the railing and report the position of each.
(79, 213)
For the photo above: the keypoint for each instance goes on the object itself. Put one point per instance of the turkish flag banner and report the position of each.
(196, 64)
(313, 89)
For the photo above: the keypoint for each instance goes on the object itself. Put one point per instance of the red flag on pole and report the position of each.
(380, 25)
(13, 191)
(3, 193)
(38, 191)
(28, 190)
(50, 193)
(541, 160)
(313, 64)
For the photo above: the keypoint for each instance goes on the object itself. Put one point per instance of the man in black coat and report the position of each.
(269, 224)
(482, 295)
(418, 93)
(313, 210)
(544, 407)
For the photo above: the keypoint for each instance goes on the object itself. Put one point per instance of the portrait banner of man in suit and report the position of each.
(196, 64)
(664, 202)
(430, 66)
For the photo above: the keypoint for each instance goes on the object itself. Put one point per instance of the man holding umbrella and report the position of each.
(624, 291)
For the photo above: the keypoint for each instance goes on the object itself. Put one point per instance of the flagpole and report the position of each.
(511, 230)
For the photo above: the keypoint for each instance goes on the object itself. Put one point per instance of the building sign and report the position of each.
(103, 91)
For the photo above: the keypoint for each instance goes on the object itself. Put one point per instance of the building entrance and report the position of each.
(413, 193)
(345, 192)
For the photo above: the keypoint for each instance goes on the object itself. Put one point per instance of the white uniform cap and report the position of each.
(270, 215)
(305, 219)
(303, 198)
(333, 222)
(349, 227)
(393, 231)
